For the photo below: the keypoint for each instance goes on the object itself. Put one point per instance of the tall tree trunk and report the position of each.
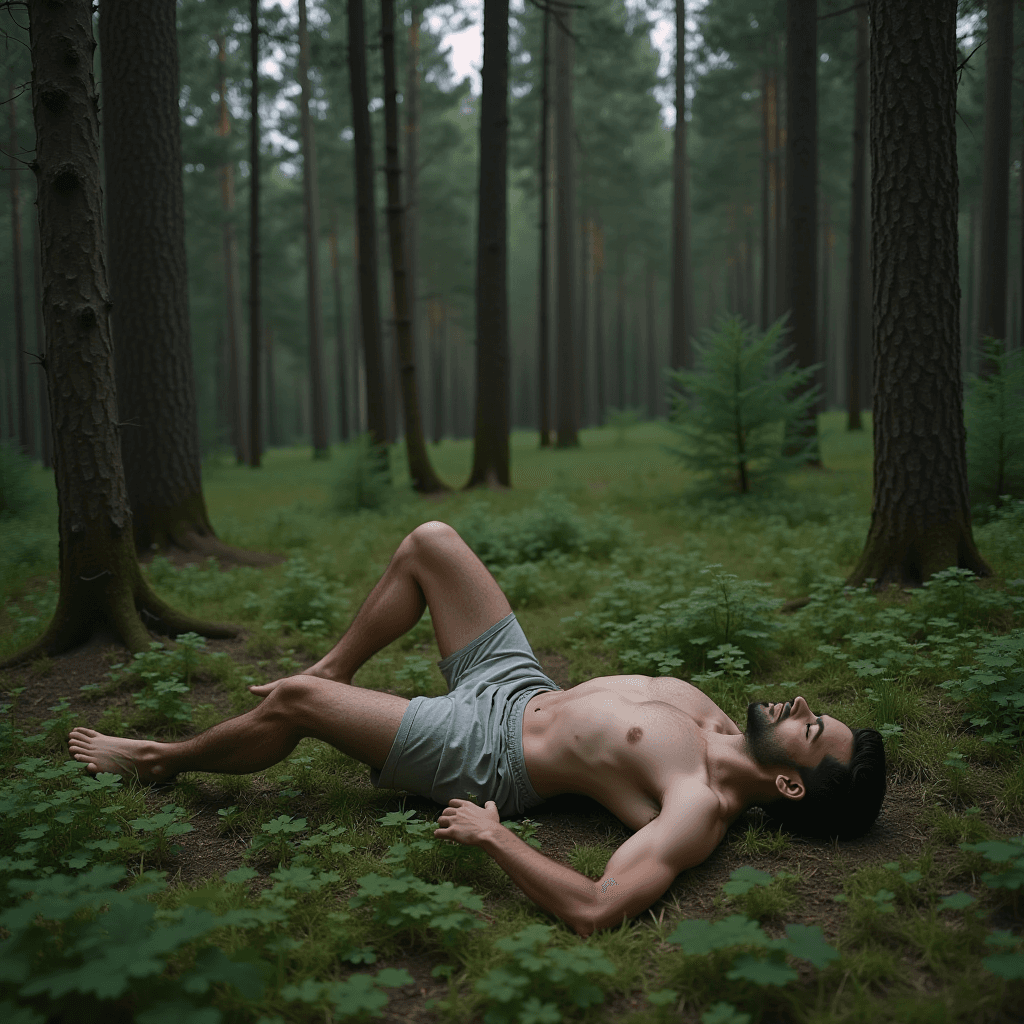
(366, 213)
(311, 202)
(544, 283)
(45, 434)
(802, 203)
(145, 223)
(422, 474)
(995, 183)
(858, 228)
(682, 288)
(230, 251)
(411, 107)
(25, 432)
(255, 443)
(600, 348)
(584, 322)
(340, 351)
(653, 382)
(490, 442)
(920, 517)
(568, 412)
(101, 585)
(620, 327)
(825, 353)
(273, 427)
(435, 315)
(767, 193)
(781, 295)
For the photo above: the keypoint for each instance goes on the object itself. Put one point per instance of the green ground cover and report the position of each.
(319, 898)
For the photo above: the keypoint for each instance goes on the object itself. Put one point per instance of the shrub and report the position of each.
(363, 479)
(306, 600)
(730, 409)
(994, 410)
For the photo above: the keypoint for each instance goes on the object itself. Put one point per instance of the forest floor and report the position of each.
(902, 955)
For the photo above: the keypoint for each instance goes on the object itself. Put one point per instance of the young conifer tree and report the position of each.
(732, 409)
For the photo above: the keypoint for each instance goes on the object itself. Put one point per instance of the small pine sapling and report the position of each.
(994, 410)
(732, 409)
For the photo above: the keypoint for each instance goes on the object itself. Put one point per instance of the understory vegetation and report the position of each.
(320, 898)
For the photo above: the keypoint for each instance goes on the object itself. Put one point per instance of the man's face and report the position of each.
(792, 735)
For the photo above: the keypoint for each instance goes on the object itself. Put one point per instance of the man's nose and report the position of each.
(801, 708)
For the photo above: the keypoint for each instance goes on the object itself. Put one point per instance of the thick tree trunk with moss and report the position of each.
(145, 222)
(421, 472)
(101, 585)
(920, 519)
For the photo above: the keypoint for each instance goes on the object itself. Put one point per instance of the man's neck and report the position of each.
(736, 776)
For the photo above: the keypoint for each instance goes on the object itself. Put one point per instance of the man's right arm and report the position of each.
(683, 835)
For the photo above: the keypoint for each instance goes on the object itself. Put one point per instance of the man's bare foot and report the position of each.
(137, 758)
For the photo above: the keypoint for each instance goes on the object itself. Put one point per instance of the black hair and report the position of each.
(840, 800)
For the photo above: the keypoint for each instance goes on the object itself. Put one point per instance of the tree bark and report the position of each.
(26, 435)
(340, 348)
(366, 213)
(230, 253)
(858, 227)
(311, 202)
(682, 288)
(421, 472)
(145, 225)
(45, 434)
(411, 107)
(653, 382)
(600, 354)
(802, 202)
(583, 371)
(544, 282)
(490, 441)
(101, 585)
(995, 183)
(255, 254)
(920, 517)
(568, 412)
(273, 427)
(620, 327)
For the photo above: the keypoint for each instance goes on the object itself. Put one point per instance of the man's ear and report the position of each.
(790, 788)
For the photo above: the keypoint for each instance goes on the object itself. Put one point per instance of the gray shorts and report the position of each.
(469, 744)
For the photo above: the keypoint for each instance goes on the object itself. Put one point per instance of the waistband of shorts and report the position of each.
(514, 747)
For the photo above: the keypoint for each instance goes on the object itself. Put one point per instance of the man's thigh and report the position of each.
(463, 597)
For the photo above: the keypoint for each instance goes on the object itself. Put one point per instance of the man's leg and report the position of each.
(432, 566)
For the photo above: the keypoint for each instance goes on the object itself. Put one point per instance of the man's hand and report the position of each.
(464, 822)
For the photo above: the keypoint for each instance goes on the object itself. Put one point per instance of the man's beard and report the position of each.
(760, 735)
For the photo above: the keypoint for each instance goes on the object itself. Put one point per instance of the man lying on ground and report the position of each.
(656, 752)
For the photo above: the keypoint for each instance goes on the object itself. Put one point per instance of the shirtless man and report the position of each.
(658, 753)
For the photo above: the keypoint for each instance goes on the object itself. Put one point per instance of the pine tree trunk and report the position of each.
(101, 585)
(421, 473)
(45, 433)
(781, 296)
(544, 283)
(411, 107)
(273, 428)
(584, 324)
(682, 289)
(26, 435)
(767, 194)
(920, 518)
(490, 442)
(255, 441)
(565, 204)
(230, 253)
(858, 228)
(995, 182)
(600, 353)
(311, 202)
(366, 212)
(802, 202)
(340, 354)
(620, 328)
(145, 225)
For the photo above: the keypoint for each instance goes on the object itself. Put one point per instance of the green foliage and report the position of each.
(356, 996)
(993, 688)
(540, 982)
(552, 527)
(725, 623)
(729, 410)
(994, 412)
(307, 601)
(362, 479)
(76, 945)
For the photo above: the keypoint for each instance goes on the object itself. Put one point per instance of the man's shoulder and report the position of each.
(694, 799)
